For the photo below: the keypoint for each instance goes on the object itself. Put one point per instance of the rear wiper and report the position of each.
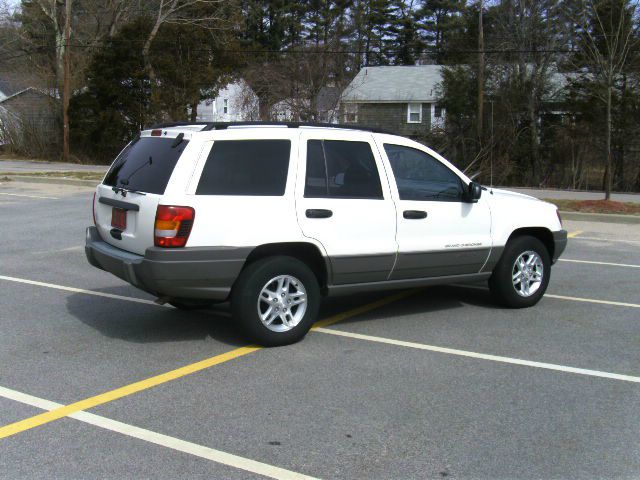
(123, 191)
(126, 180)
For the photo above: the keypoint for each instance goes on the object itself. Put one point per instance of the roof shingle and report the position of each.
(416, 83)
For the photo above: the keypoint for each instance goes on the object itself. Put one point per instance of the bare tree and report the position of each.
(180, 11)
(605, 41)
(54, 11)
(529, 29)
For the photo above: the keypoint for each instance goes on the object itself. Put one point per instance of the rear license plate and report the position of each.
(119, 218)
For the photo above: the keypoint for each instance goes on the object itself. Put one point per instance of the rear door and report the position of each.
(343, 201)
(126, 218)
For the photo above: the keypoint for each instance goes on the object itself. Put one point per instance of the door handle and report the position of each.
(414, 214)
(318, 213)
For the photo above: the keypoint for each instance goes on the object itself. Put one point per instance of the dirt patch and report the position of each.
(597, 206)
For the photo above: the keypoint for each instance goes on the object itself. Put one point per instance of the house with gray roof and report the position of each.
(403, 99)
(30, 115)
(9, 86)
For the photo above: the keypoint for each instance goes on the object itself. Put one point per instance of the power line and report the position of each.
(45, 48)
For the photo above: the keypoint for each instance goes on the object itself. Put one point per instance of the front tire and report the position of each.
(521, 277)
(276, 300)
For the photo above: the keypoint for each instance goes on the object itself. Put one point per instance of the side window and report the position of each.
(419, 176)
(341, 169)
(246, 167)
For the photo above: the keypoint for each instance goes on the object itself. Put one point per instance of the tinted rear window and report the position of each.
(246, 167)
(341, 169)
(146, 164)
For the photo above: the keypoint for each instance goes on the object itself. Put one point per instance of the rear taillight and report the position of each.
(93, 209)
(173, 226)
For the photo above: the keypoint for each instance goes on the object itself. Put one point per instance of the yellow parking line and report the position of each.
(364, 309)
(136, 387)
(103, 398)
(574, 234)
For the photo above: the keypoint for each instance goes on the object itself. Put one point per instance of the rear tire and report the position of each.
(521, 277)
(276, 300)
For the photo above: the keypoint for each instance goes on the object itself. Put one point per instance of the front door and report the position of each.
(439, 234)
(344, 202)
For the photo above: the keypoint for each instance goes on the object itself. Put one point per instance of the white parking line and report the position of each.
(628, 265)
(151, 302)
(173, 443)
(28, 196)
(562, 297)
(608, 240)
(78, 290)
(592, 300)
(482, 356)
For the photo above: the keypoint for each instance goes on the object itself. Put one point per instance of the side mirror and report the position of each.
(474, 192)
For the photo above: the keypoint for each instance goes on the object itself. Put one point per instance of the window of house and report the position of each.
(225, 105)
(419, 176)
(437, 111)
(351, 113)
(414, 113)
(341, 169)
(246, 167)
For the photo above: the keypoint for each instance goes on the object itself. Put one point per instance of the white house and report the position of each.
(299, 109)
(234, 103)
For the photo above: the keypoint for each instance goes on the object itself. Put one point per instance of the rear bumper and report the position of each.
(198, 272)
(559, 244)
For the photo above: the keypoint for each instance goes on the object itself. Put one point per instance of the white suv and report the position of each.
(274, 216)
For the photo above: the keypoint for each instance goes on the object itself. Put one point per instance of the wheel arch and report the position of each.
(541, 233)
(306, 252)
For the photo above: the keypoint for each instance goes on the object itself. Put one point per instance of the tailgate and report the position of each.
(138, 212)
(127, 200)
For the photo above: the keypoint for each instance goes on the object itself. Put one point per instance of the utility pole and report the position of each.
(66, 89)
(480, 119)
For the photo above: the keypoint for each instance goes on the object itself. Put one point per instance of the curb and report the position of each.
(52, 180)
(600, 217)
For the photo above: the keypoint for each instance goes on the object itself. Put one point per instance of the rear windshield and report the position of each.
(146, 164)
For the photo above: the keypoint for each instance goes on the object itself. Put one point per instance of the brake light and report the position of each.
(93, 209)
(173, 226)
(156, 133)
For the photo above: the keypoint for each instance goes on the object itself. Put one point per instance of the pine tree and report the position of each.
(440, 23)
(403, 29)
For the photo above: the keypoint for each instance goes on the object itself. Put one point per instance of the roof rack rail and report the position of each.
(174, 124)
(207, 126)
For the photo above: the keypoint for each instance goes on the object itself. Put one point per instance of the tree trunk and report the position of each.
(66, 93)
(480, 119)
(607, 171)
(194, 109)
(151, 73)
(534, 138)
(264, 109)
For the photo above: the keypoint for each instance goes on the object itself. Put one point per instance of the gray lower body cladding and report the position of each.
(439, 263)
(209, 272)
(361, 268)
(204, 273)
(560, 243)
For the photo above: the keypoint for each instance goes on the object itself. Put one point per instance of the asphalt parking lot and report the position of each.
(96, 381)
